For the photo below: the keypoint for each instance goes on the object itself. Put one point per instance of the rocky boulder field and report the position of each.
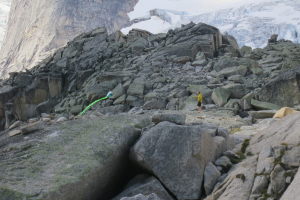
(149, 141)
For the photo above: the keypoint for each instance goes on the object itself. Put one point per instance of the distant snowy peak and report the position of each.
(251, 24)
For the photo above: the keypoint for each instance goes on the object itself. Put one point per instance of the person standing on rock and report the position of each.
(199, 101)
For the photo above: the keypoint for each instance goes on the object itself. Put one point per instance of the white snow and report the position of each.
(154, 25)
(193, 7)
(251, 22)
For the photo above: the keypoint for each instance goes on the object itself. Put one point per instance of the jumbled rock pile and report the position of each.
(161, 71)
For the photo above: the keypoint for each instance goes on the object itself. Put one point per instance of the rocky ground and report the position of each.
(149, 141)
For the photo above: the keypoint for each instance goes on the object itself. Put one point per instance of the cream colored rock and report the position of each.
(284, 112)
(14, 133)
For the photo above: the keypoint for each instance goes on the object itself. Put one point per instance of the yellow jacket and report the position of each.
(200, 97)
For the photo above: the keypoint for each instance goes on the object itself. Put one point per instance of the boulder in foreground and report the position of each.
(177, 155)
(76, 160)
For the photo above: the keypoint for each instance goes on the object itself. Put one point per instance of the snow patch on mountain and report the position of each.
(4, 11)
(251, 24)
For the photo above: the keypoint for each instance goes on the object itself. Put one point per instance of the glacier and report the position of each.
(251, 23)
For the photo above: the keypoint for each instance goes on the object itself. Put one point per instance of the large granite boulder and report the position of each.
(292, 191)
(177, 156)
(270, 163)
(206, 39)
(260, 105)
(220, 96)
(230, 71)
(78, 160)
(283, 90)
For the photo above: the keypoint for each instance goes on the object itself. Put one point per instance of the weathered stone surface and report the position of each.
(293, 191)
(291, 157)
(246, 50)
(238, 183)
(264, 105)
(14, 133)
(225, 62)
(29, 128)
(262, 114)
(265, 163)
(158, 104)
(223, 162)
(220, 96)
(136, 88)
(61, 119)
(211, 175)
(144, 185)
(263, 173)
(83, 154)
(284, 90)
(142, 197)
(236, 78)
(120, 100)
(118, 91)
(221, 145)
(236, 90)
(76, 109)
(134, 101)
(227, 72)
(95, 89)
(276, 133)
(116, 109)
(277, 181)
(260, 184)
(15, 124)
(164, 146)
(177, 118)
(194, 89)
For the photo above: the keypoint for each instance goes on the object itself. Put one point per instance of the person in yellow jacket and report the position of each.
(199, 100)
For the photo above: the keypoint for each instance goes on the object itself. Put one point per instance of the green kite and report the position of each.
(109, 95)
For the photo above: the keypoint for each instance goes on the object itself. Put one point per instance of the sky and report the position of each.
(198, 6)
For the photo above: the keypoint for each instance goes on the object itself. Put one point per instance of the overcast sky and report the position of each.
(192, 6)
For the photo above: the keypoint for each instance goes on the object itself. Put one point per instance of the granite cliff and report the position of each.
(37, 28)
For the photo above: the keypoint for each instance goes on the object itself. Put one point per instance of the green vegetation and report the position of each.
(235, 130)
(241, 157)
(262, 174)
(265, 195)
(249, 153)
(241, 176)
(245, 145)
(278, 159)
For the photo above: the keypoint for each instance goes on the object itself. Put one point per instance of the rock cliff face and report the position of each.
(4, 10)
(37, 28)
